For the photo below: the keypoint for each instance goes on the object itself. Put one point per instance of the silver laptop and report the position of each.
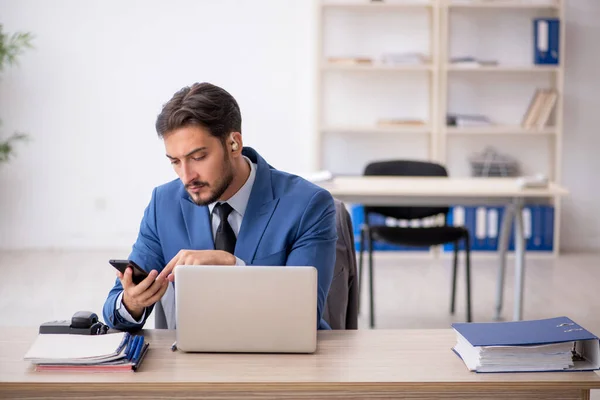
(251, 309)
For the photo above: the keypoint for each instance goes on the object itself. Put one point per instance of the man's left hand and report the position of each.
(196, 257)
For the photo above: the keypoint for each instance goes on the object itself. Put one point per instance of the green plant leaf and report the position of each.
(12, 46)
(7, 146)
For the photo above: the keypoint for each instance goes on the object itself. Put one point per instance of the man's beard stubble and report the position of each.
(219, 187)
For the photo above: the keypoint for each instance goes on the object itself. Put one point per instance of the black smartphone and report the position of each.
(138, 273)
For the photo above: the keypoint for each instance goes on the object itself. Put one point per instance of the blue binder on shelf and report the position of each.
(538, 223)
(456, 217)
(482, 222)
(530, 345)
(466, 216)
(548, 226)
(546, 40)
(494, 222)
(539, 235)
(537, 228)
(528, 227)
(479, 234)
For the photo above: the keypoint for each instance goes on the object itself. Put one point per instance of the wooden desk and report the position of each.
(412, 364)
(435, 191)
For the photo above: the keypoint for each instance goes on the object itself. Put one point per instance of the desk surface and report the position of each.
(437, 186)
(376, 359)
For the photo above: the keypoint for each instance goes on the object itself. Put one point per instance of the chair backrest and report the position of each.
(405, 168)
(341, 306)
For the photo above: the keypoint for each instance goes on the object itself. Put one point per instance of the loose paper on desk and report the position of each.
(75, 349)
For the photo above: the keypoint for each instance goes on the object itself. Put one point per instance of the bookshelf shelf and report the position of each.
(499, 130)
(366, 5)
(507, 4)
(376, 68)
(500, 68)
(421, 130)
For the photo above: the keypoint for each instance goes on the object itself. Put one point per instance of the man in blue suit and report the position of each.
(228, 207)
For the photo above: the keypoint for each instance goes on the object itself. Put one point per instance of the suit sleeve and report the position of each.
(315, 245)
(147, 253)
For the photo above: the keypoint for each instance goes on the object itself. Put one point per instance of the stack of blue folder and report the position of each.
(483, 223)
(553, 344)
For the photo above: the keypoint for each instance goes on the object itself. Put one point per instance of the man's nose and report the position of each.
(188, 174)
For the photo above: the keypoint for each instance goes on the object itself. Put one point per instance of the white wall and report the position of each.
(90, 91)
(580, 222)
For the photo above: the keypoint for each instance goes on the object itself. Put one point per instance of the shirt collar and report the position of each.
(239, 201)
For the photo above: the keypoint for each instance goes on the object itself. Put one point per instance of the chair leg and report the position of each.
(372, 304)
(468, 276)
(361, 249)
(454, 270)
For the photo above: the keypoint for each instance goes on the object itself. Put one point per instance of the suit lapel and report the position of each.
(197, 223)
(253, 227)
(259, 211)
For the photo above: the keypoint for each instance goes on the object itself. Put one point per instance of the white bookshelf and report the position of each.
(418, 130)
(350, 97)
(499, 130)
(539, 150)
(371, 91)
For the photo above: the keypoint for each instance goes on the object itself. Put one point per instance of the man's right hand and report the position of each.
(137, 297)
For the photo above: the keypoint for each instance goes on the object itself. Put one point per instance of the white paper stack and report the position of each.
(553, 357)
(77, 349)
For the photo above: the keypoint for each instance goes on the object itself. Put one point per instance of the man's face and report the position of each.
(200, 161)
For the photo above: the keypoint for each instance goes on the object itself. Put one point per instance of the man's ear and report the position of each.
(235, 141)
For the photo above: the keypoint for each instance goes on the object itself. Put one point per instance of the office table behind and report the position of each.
(441, 191)
(415, 191)
(415, 364)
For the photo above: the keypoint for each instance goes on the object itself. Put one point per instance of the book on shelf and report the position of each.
(404, 58)
(549, 102)
(539, 109)
(469, 61)
(399, 122)
(350, 60)
(93, 353)
(552, 344)
(468, 120)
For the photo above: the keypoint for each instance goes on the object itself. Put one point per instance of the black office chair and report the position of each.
(420, 237)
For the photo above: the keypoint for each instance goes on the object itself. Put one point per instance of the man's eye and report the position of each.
(198, 158)
(174, 162)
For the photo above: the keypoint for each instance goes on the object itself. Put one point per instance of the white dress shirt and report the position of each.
(238, 202)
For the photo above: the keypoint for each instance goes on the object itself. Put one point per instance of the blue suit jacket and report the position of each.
(288, 221)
